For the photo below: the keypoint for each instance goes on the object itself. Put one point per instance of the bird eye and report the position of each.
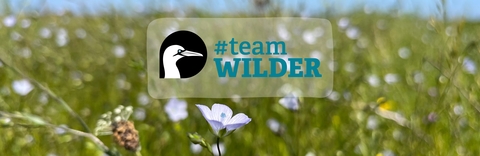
(179, 50)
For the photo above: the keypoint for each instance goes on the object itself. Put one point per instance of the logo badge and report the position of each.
(183, 54)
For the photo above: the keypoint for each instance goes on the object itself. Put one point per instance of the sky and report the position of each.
(423, 8)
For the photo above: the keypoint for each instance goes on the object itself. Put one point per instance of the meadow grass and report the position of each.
(433, 91)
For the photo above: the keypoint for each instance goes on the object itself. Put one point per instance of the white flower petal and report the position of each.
(9, 21)
(22, 87)
(173, 105)
(274, 125)
(178, 116)
(222, 113)
(216, 126)
(239, 118)
(231, 127)
(181, 115)
(290, 101)
(205, 111)
(176, 109)
(182, 104)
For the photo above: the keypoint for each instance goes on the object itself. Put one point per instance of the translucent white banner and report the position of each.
(246, 57)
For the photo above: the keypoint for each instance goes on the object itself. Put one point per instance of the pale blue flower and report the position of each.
(22, 87)
(404, 52)
(61, 129)
(418, 77)
(353, 33)
(220, 119)
(391, 78)
(139, 114)
(119, 51)
(176, 109)
(275, 126)
(458, 110)
(374, 81)
(9, 21)
(469, 65)
(62, 37)
(45, 33)
(372, 123)
(290, 101)
(143, 99)
(334, 96)
(343, 23)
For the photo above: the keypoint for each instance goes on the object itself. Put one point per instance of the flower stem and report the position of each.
(288, 141)
(296, 133)
(51, 94)
(90, 136)
(218, 146)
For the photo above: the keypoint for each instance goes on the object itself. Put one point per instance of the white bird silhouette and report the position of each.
(171, 55)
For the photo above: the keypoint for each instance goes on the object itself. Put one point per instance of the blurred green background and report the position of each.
(403, 85)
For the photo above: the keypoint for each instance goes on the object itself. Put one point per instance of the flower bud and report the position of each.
(195, 138)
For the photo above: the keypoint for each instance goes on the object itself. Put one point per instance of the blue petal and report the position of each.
(221, 112)
(232, 127)
(216, 126)
(237, 121)
(290, 101)
(207, 114)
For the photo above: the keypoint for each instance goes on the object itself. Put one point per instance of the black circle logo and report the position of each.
(183, 54)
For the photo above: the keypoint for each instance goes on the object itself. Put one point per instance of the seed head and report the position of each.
(125, 135)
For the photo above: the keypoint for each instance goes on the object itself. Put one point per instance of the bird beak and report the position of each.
(191, 53)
